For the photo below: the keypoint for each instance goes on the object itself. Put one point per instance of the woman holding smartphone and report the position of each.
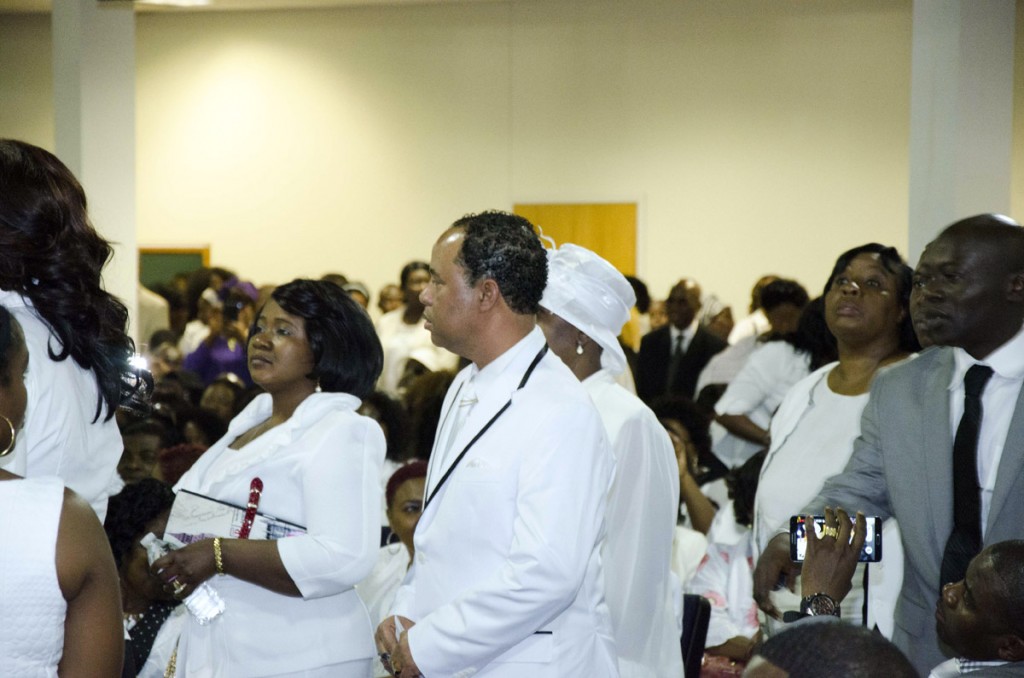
(812, 433)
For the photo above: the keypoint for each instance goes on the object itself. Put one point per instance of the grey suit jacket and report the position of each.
(902, 466)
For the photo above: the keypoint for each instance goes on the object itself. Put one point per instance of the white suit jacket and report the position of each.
(507, 579)
(320, 469)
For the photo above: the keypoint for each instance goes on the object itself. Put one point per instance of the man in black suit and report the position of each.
(671, 358)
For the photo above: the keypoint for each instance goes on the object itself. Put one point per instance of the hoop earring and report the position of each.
(14, 437)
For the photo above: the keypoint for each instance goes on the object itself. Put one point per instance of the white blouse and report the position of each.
(320, 469)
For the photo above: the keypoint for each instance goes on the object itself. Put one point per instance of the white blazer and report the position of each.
(320, 469)
(507, 579)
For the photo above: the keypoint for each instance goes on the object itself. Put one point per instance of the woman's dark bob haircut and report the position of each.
(347, 357)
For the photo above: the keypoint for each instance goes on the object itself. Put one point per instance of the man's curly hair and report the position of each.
(505, 247)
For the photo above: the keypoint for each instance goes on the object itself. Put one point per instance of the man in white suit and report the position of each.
(968, 300)
(507, 580)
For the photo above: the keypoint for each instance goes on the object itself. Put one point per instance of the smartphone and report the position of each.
(871, 553)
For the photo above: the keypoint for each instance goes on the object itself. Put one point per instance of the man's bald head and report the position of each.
(683, 303)
(969, 285)
(996, 231)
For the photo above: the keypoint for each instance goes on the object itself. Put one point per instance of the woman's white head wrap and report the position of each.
(591, 295)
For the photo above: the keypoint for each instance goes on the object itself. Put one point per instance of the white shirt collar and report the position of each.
(1007, 361)
(687, 332)
(482, 379)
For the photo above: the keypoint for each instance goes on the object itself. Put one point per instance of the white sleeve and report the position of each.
(60, 436)
(754, 383)
(342, 495)
(641, 525)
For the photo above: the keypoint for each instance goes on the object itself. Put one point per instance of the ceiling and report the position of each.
(44, 6)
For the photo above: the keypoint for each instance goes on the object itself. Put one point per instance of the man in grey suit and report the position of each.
(968, 300)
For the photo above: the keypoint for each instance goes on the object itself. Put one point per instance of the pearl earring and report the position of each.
(579, 347)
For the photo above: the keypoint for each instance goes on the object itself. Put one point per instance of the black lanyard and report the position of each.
(526, 377)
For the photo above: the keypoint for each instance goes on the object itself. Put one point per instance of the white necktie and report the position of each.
(461, 409)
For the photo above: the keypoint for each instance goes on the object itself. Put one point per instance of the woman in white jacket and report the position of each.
(290, 605)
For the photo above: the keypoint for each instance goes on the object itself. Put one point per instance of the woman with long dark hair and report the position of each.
(51, 260)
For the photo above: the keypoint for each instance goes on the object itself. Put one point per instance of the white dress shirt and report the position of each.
(687, 334)
(997, 401)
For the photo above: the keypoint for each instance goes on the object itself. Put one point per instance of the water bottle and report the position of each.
(204, 603)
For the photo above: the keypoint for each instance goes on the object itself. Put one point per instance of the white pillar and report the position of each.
(94, 110)
(961, 113)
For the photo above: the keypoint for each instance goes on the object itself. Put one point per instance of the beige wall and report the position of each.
(755, 135)
(26, 79)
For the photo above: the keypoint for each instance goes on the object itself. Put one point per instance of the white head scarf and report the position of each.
(592, 296)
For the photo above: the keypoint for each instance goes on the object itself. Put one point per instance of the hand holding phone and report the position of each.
(832, 559)
(870, 553)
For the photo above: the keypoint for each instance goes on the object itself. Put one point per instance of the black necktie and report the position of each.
(965, 540)
(673, 364)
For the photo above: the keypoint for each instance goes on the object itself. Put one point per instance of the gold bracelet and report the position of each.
(218, 557)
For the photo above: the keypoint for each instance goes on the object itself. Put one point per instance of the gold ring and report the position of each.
(830, 531)
(178, 587)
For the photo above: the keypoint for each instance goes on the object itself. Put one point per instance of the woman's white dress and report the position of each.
(32, 607)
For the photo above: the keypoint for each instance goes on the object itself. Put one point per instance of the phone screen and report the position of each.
(871, 553)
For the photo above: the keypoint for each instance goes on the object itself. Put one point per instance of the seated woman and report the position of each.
(143, 441)
(221, 396)
(702, 487)
(61, 613)
(302, 453)
(150, 616)
(404, 497)
(726, 574)
(866, 308)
